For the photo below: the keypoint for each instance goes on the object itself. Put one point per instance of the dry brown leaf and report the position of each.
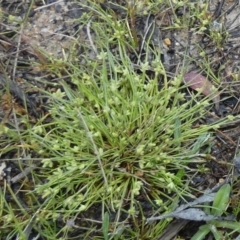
(201, 84)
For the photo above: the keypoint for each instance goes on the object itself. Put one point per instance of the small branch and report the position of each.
(48, 5)
(90, 38)
(17, 55)
(23, 174)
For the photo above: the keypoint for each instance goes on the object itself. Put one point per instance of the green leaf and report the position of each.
(201, 141)
(221, 200)
(207, 208)
(105, 225)
(217, 235)
(201, 233)
(235, 226)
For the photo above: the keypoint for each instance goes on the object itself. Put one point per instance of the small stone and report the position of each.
(167, 42)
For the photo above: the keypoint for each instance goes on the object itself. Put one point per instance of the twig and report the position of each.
(147, 28)
(48, 5)
(227, 137)
(218, 9)
(62, 35)
(233, 21)
(94, 146)
(23, 174)
(90, 38)
(172, 229)
(28, 229)
(17, 55)
(13, 53)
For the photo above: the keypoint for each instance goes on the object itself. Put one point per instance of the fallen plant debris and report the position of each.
(201, 84)
(220, 201)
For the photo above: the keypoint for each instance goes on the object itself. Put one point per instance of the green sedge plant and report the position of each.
(117, 136)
